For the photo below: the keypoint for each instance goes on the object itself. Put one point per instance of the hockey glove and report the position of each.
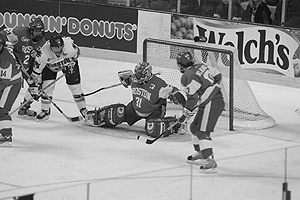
(68, 69)
(187, 114)
(177, 97)
(125, 77)
(34, 91)
(36, 77)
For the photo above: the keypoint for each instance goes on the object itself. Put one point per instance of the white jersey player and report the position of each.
(59, 54)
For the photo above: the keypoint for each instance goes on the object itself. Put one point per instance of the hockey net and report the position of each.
(242, 108)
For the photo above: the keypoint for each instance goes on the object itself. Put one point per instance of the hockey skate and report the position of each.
(25, 112)
(5, 141)
(43, 115)
(88, 118)
(182, 129)
(209, 167)
(196, 159)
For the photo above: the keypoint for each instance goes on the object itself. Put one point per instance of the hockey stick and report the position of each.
(151, 141)
(29, 78)
(111, 86)
(103, 88)
(298, 111)
(41, 91)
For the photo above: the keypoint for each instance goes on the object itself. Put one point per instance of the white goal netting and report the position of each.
(242, 107)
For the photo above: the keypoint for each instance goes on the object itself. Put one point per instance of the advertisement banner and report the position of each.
(104, 27)
(260, 48)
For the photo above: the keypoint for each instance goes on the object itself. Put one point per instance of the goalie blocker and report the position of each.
(113, 115)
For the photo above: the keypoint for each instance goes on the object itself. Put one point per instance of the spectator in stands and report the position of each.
(161, 5)
(140, 4)
(257, 11)
(209, 7)
(190, 7)
(292, 15)
(271, 2)
(223, 7)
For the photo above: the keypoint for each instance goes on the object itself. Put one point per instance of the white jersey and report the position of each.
(55, 63)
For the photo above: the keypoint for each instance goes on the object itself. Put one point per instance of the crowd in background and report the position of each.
(254, 11)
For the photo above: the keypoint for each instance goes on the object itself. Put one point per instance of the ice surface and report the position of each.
(58, 154)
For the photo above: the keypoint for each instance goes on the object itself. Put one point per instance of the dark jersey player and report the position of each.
(10, 86)
(202, 108)
(26, 42)
(149, 99)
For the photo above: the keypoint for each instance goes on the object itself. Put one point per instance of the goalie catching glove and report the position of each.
(125, 77)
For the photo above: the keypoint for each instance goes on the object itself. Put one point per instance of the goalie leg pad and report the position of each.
(108, 116)
(155, 127)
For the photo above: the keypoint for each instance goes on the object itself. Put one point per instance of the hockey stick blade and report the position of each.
(298, 111)
(75, 119)
(145, 140)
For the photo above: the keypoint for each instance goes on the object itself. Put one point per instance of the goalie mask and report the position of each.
(143, 72)
(37, 28)
(184, 60)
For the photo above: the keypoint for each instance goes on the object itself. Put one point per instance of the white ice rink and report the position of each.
(59, 154)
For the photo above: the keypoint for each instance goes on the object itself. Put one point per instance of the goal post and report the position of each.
(241, 105)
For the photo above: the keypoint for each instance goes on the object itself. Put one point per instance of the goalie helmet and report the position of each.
(143, 72)
(56, 44)
(36, 27)
(184, 60)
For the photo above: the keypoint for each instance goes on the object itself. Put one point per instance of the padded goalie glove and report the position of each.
(125, 77)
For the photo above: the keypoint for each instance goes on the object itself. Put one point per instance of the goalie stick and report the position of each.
(108, 87)
(103, 88)
(29, 78)
(151, 141)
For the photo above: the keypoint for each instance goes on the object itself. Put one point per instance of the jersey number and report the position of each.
(26, 59)
(138, 102)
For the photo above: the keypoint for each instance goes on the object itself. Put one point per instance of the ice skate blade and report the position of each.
(208, 171)
(196, 162)
(26, 117)
(5, 144)
(41, 120)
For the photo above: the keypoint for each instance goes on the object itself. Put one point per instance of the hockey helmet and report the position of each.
(56, 43)
(2, 43)
(184, 60)
(143, 72)
(37, 28)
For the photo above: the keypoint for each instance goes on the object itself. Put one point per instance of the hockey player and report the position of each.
(59, 54)
(26, 43)
(202, 109)
(149, 99)
(10, 86)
